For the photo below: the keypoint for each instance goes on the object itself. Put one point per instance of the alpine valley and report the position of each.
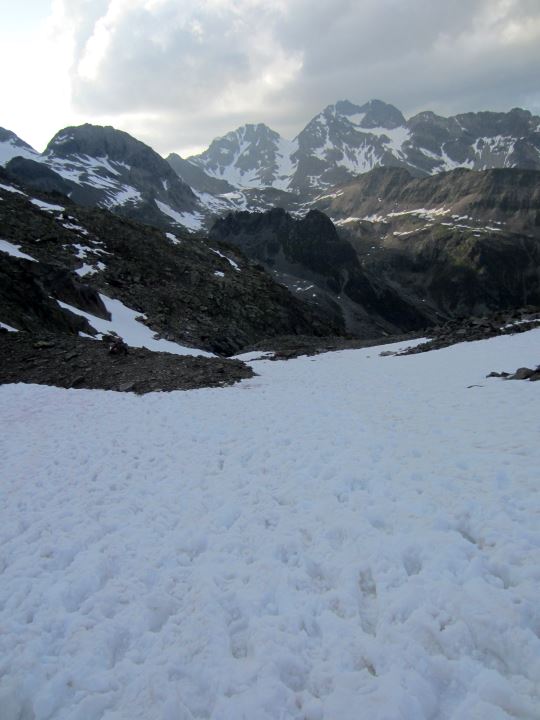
(236, 483)
(366, 225)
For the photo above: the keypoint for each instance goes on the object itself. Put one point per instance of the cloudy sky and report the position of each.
(177, 73)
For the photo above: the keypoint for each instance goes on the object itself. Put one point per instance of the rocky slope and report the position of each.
(203, 294)
(409, 252)
(506, 198)
(314, 262)
(253, 168)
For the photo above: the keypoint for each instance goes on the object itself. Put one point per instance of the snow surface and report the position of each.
(11, 189)
(14, 250)
(90, 269)
(48, 207)
(7, 327)
(125, 194)
(135, 333)
(172, 238)
(11, 148)
(286, 166)
(343, 537)
(232, 263)
(74, 226)
(191, 221)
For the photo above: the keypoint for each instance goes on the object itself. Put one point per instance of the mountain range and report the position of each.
(253, 168)
(345, 140)
(366, 224)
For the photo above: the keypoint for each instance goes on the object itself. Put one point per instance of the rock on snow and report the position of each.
(344, 537)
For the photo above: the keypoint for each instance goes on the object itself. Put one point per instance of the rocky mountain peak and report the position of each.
(253, 155)
(376, 114)
(102, 166)
(12, 146)
(96, 141)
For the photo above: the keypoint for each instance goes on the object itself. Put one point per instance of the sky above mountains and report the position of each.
(176, 74)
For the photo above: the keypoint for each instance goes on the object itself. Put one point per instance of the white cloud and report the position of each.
(176, 74)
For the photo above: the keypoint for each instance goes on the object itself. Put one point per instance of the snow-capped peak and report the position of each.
(251, 156)
(12, 146)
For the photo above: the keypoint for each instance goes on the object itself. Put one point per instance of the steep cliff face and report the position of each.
(318, 265)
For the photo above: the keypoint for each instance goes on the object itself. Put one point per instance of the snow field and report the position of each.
(341, 537)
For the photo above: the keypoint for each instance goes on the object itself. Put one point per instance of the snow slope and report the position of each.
(345, 537)
(124, 322)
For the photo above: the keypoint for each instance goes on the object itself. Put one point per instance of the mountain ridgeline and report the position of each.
(254, 168)
(366, 223)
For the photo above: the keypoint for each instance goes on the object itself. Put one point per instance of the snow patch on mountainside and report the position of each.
(11, 189)
(14, 250)
(7, 327)
(359, 159)
(47, 207)
(393, 139)
(191, 221)
(126, 323)
(286, 165)
(11, 148)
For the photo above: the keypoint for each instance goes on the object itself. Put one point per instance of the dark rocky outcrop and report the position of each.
(479, 328)
(75, 362)
(385, 281)
(38, 176)
(27, 297)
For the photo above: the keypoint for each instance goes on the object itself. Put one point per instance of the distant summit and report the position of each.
(345, 140)
(105, 167)
(12, 146)
(253, 168)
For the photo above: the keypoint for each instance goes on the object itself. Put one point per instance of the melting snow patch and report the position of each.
(14, 250)
(77, 228)
(48, 207)
(329, 196)
(424, 213)
(373, 218)
(82, 250)
(172, 238)
(7, 327)
(11, 189)
(231, 262)
(191, 221)
(124, 195)
(220, 274)
(89, 269)
(124, 322)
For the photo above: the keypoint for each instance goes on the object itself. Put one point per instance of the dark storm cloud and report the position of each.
(191, 70)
